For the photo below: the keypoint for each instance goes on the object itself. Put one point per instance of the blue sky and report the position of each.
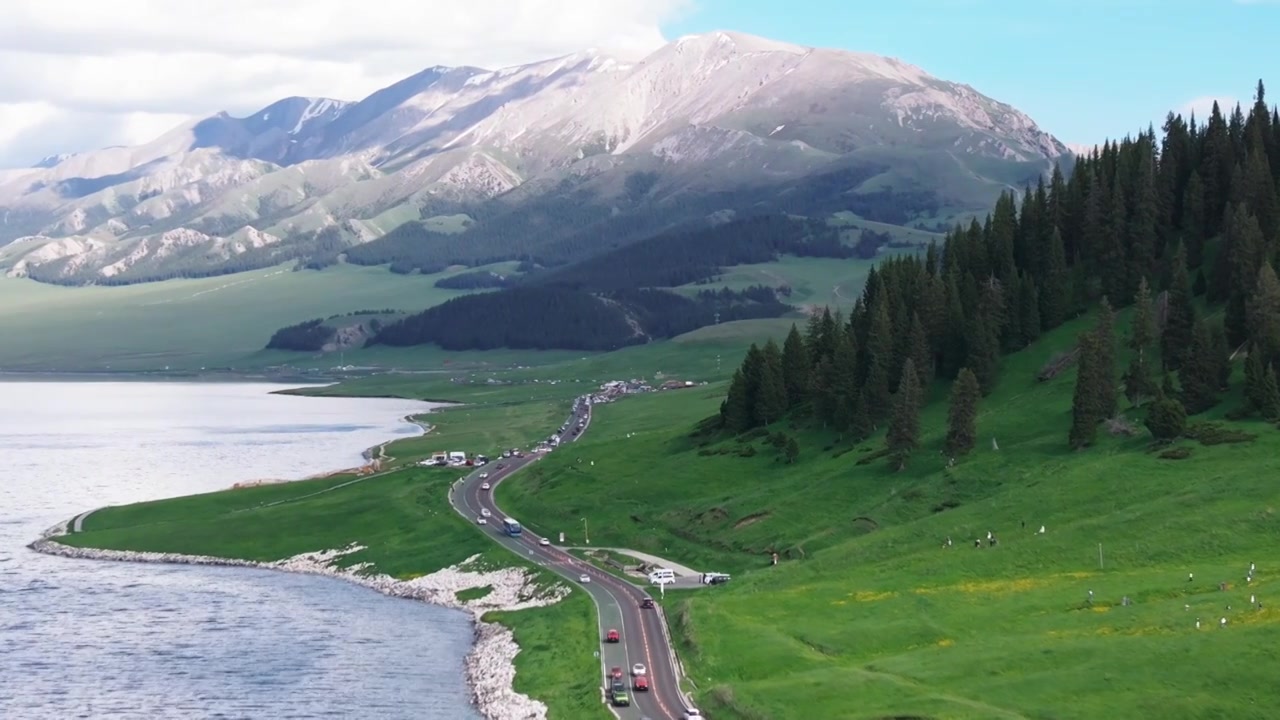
(1084, 70)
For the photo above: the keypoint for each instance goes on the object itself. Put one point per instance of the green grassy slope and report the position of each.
(868, 616)
(186, 323)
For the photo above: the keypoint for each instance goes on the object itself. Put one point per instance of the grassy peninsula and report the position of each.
(404, 521)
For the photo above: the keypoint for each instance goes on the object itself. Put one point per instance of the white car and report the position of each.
(481, 521)
(584, 578)
(544, 542)
(484, 512)
(638, 669)
(484, 475)
(692, 714)
(484, 486)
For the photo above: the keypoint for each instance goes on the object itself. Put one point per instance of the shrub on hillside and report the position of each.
(1166, 418)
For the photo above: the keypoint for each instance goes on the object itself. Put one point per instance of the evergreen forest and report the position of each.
(1180, 229)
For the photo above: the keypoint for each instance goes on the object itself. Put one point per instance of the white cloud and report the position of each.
(1203, 106)
(77, 74)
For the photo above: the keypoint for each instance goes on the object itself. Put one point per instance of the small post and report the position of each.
(1100, 566)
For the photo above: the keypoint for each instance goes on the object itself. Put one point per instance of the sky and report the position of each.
(81, 74)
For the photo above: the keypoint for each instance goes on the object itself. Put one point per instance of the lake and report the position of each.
(124, 640)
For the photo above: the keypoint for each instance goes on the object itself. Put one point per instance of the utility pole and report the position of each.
(586, 533)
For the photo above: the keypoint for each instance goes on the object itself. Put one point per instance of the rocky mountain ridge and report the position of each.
(705, 125)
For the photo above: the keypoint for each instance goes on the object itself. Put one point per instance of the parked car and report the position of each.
(641, 684)
(612, 636)
(638, 669)
(484, 486)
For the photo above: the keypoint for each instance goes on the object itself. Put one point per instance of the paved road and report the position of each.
(643, 631)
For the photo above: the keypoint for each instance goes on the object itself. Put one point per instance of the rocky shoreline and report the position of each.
(490, 666)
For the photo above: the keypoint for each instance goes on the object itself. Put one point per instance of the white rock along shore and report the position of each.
(490, 666)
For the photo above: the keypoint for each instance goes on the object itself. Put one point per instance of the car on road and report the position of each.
(616, 672)
(620, 698)
(501, 465)
(481, 521)
(641, 684)
(691, 714)
(484, 475)
(484, 486)
(615, 685)
(647, 602)
(612, 636)
(484, 512)
(544, 542)
(584, 578)
(506, 453)
(639, 669)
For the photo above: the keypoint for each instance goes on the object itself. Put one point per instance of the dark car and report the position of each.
(646, 603)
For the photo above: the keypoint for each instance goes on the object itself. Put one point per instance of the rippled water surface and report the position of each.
(124, 640)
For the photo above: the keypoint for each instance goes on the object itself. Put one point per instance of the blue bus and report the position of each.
(511, 526)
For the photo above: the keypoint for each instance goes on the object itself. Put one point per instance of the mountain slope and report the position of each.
(580, 147)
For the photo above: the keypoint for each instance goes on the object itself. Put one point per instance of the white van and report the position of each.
(662, 575)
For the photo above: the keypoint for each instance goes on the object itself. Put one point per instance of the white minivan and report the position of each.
(662, 575)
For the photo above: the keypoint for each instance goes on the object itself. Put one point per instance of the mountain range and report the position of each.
(550, 160)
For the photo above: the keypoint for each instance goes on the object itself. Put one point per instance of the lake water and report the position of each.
(123, 640)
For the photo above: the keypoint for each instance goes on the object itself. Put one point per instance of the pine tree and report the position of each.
(879, 355)
(1244, 255)
(1104, 333)
(983, 337)
(962, 416)
(953, 349)
(1264, 315)
(1166, 418)
(1142, 222)
(795, 369)
(1180, 317)
(1138, 384)
(1085, 412)
(1055, 289)
(1260, 393)
(1028, 310)
(904, 424)
(1199, 371)
(918, 351)
(735, 414)
(821, 392)
(771, 398)
(1193, 225)
(843, 397)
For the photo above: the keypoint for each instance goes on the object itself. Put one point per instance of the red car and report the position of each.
(642, 683)
(612, 636)
(616, 673)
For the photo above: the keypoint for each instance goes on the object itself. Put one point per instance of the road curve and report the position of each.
(644, 637)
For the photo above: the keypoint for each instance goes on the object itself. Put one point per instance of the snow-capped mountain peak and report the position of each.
(713, 112)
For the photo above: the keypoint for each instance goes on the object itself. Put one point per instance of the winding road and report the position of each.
(644, 637)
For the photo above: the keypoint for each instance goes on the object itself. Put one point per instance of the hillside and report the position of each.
(983, 465)
(868, 615)
(581, 147)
